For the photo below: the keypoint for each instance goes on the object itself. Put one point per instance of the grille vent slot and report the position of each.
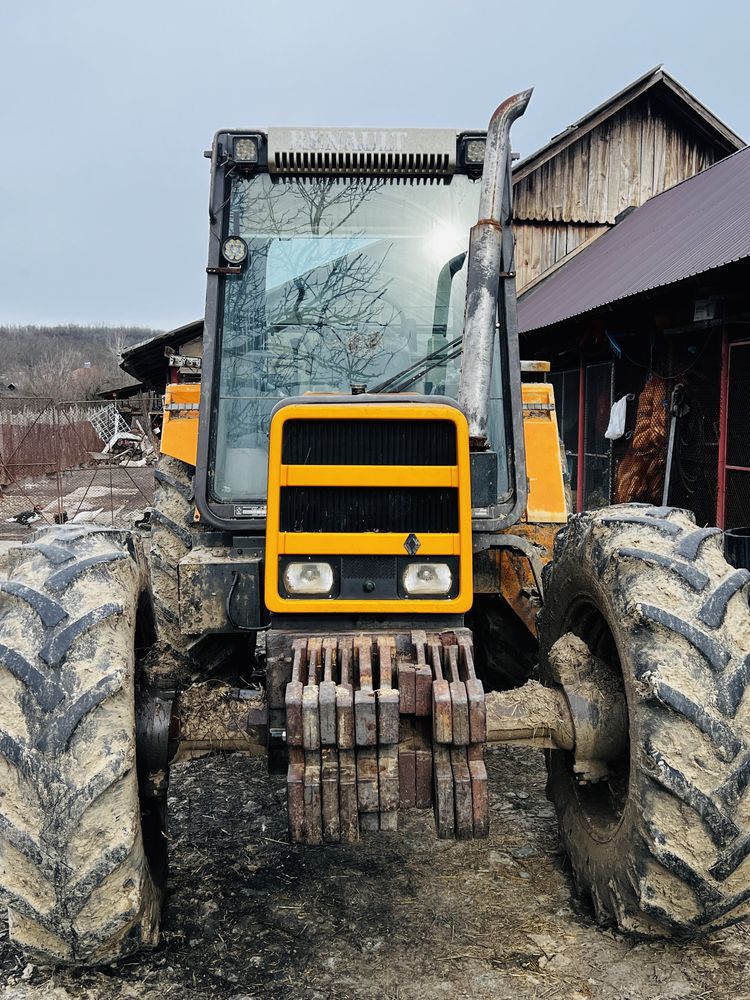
(294, 162)
(369, 508)
(369, 442)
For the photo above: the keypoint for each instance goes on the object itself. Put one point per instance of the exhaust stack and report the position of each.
(485, 266)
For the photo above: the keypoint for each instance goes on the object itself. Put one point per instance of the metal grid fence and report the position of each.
(78, 461)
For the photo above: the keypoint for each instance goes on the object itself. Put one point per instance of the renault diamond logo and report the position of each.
(412, 544)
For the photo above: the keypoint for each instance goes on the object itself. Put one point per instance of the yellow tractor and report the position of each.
(360, 557)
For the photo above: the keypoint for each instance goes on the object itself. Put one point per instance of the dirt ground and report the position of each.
(401, 916)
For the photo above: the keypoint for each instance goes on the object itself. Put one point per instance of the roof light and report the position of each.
(234, 249)
(245, 149)
(474, 151)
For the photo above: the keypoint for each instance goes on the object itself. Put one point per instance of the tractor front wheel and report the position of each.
(82, 848)
(660, 841)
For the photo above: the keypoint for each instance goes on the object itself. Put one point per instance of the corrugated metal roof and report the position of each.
(695, 226)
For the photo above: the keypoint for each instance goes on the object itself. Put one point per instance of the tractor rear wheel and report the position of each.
(172, 527)
(662, 844)
(178, 658)
(81, 852)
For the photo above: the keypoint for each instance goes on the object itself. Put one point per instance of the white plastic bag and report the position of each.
(616, 426)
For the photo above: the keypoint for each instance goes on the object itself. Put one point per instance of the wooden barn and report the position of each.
(647, 138)
(656, 316)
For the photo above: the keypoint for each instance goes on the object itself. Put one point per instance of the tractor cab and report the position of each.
(338, 265)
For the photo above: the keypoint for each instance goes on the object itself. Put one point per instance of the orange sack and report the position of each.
(640, 475)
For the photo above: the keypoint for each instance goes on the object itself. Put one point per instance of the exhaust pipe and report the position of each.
(485, 265)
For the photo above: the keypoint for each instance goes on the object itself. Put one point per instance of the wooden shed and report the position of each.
(655, 315)
(647, 138)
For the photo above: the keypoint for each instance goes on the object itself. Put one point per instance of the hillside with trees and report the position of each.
(66, 361)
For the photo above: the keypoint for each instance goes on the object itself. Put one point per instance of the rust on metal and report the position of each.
(422, 676)
(388, 785)
(387, 695)
(313, 825)
(407, 694)
(459, 697)
(407, 777)
(345, 696)
(365, 718)
(480, 796)
(310, 704)
(474, 691)
(295, 795)
(368, 800)
(293, 696)
(443, 778)
(329, 788)
(514, 574)
(327, 694)
(442, 722)
(348, 814)
(462, 794)
(360, 758)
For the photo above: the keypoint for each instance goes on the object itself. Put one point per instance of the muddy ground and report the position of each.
(402, 916)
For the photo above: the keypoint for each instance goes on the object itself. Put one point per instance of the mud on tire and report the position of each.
(172, 529)
(73, 865)
(663, 846)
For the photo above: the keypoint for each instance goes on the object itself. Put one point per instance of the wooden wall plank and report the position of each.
(614, 164)
(646, 167)
(631, 195)
(625, 160)
(659, 154)
(542, 245)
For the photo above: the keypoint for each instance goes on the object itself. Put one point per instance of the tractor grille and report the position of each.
(369, 508)
(369, 442)
(368, 486)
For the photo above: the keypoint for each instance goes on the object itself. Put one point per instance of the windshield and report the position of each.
(347, 282)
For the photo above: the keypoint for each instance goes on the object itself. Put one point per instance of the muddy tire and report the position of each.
(177, 658)
(172, 527)
(74, 867)
(662, 846)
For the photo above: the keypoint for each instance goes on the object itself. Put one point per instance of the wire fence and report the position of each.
(78, 461)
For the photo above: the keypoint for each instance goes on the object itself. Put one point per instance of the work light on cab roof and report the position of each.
(474, 150)
(234, 249)
(245, 149)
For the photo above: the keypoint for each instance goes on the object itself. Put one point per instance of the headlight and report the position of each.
(427, 578)
(308, 578)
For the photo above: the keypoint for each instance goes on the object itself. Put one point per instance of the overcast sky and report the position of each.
(107, 107)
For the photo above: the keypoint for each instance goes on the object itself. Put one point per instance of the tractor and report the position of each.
(361, 558)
